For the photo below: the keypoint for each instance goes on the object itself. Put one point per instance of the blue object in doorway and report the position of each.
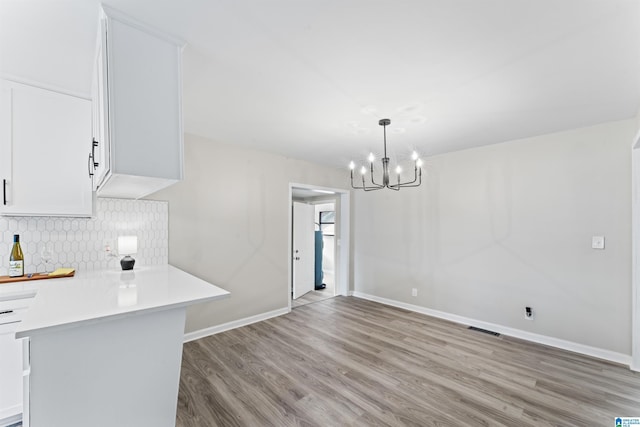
(318, 250)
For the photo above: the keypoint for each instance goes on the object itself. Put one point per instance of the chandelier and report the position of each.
(386, 183)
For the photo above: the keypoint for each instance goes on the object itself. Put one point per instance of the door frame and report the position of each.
(343, 238)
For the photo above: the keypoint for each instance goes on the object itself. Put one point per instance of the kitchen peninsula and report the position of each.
(106, 346)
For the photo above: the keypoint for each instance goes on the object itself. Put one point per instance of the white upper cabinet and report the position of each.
(44, 148)
(99, 149)
(137, 109)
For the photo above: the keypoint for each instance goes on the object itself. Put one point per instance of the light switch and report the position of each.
(597, 242)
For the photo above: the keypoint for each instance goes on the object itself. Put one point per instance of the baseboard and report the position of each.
(612, 356)
(201, 333)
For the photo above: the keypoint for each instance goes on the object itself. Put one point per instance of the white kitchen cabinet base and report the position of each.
(10, 375)
(11, 360)
(120, 372)
(106, 346)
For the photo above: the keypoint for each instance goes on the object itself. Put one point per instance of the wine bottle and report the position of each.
(16, 259)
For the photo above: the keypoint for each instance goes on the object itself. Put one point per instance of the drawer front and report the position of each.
(13, 310)
(8, 316)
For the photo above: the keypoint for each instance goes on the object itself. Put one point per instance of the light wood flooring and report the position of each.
(315, 296)
(350, 362)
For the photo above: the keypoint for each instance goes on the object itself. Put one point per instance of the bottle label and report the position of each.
(16, 268)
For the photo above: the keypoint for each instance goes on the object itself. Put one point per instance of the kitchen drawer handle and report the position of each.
(2, 313)
(89, 161)
(94, 144)
(4, 192)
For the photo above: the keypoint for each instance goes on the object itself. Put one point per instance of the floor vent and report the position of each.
(484, 331)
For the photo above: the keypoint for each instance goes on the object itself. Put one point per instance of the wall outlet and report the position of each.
(528, 313)
(414, 292)
(597, 242)
(109, 248)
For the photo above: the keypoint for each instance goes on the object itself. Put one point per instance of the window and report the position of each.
(327, 223)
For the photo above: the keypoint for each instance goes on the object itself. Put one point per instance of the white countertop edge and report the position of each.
(94, 296)
(89, 321)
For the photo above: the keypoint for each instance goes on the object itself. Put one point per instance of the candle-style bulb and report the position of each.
(352, 165)
(371, 157)
(419, 163)
(363, 170)
(398, 170)
(414, 156)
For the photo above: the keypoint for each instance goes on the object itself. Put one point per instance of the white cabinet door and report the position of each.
(11, 360)
(100, 144)
(10, 373)
(141, 100)
(44, 153)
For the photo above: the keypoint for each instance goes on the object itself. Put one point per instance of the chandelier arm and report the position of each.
(375, 186)
(354, 186)
(373, 181)
(409, 183)
(395, 187)
(363, 187)
(415, 177)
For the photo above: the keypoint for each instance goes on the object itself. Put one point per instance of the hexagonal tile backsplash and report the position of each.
(80, 242)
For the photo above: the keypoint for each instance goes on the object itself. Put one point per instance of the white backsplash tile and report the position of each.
(80, 242)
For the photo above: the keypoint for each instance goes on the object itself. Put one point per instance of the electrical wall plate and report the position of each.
(597, 242)
(528, 313)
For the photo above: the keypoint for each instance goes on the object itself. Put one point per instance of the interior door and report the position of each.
(303, 249)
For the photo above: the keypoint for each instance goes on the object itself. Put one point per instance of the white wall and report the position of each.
(635, 224)
(228, 224)
(498, 228)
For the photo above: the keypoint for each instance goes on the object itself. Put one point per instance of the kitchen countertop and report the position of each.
(95, 296)
(18, 290)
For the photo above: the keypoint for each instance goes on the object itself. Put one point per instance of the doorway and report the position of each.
(321, 215)
(314, 250)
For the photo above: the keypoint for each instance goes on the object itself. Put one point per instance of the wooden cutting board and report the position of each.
(34, 276)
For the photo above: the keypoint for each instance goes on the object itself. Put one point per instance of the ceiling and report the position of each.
(310, 79)
(308, 194)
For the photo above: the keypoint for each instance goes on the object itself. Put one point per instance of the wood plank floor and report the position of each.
(350, 362)
(315, 296)
(311, 297)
